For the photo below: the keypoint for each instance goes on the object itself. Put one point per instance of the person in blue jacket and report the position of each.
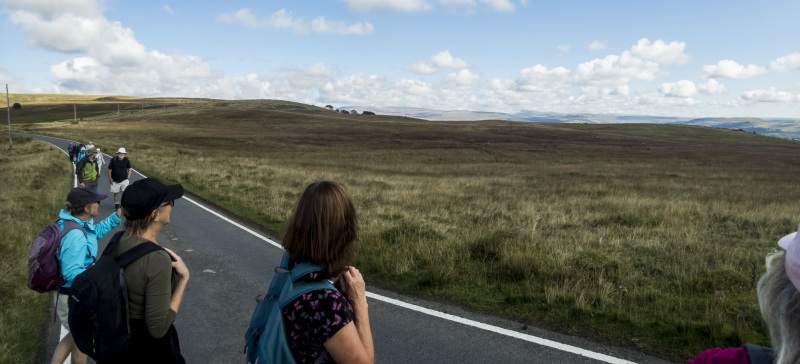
(78, 251)
(80, 154)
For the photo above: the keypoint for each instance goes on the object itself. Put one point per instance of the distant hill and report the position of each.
(789, 129)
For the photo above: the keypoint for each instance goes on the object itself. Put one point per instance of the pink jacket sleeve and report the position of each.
(720, 356)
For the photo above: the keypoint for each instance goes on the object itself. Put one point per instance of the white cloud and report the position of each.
(110, 60)
(283, 19)
(308, 77)
(321, 25)
(169, 10)
(444, 59)
(791, 60)
(771, 95)
(503, 6)
(414, 87)
(439, 60)
(730, 69)
(617, 70)
(62, 33)
(642, 62)
(424, 68)
(540, 78)
(467, 3)
(406, 6)
(564, 47)
(598, 45)
(661, 52)
(712, 86)
(682, 88)
(411, 6)
(461, 79)
(622, 90)
(52, 9)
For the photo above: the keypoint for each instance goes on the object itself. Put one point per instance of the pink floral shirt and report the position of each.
(312, 319)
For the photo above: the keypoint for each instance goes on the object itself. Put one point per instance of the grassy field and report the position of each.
(648, 236)
(35, 180)
(41, 108)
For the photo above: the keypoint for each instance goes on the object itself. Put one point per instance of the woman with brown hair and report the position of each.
(155, 282)
(323, 231)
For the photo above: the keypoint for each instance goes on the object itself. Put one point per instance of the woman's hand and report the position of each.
(178, 265)
(353, 287)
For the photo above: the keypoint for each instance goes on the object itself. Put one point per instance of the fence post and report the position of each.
(8, 104)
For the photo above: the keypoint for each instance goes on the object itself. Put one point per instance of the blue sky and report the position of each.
(677, 58)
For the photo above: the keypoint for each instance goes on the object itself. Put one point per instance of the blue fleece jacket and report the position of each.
(78, 252)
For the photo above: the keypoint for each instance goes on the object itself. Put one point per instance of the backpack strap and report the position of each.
(112, 244)
(137, 252)
(759, 354)
(302, 269)
(70, 225)
(287, 287)
(292, 291)
(134, 253)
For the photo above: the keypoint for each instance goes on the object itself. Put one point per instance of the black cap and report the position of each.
(145, 195)
(82, 196)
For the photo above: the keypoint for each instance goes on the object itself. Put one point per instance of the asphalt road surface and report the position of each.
(231, 263)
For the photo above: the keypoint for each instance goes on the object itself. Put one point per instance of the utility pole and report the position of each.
(75, 110)
(118, 109)
(8, 104)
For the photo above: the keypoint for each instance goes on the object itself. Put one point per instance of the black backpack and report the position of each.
(98, 302)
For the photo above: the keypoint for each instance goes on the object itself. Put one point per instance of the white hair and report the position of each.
(780, 307)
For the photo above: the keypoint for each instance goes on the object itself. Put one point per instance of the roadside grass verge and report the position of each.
(648, 236)
(35, 180)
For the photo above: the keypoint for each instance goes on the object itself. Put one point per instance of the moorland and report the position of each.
(645, 235)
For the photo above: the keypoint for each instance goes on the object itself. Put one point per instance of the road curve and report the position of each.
(231, 264)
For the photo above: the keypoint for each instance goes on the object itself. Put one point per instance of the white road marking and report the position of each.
(498, 330)
(208, 271)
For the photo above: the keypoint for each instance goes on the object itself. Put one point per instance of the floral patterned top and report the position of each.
(312, 319)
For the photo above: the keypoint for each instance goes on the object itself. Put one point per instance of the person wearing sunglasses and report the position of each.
(78, 251)
(156, 282)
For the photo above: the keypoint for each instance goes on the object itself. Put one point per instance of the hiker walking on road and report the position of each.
(323, 231)
(78, 251)
(156, 282)
(71, 151)
(100, 161)
(119, 174)
(79, 154)
(87, 170)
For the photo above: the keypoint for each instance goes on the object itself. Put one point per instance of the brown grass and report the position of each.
(623, 232)
(35, 182)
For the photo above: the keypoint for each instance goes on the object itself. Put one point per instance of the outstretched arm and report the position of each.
(353, 343)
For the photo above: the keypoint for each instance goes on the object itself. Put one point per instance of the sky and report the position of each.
(706, 58)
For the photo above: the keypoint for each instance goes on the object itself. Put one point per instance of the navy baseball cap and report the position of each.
(82, 196)
(145, 195)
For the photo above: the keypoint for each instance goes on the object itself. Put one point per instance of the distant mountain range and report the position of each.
(783, 128)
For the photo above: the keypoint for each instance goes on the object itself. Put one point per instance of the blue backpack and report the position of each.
(265, 340)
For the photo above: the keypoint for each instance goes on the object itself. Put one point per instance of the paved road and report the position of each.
(230, 266)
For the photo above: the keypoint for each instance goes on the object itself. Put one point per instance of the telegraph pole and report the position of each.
(8, 104)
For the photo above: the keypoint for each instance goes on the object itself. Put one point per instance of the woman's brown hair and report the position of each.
(136, 227)
(323, 229)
